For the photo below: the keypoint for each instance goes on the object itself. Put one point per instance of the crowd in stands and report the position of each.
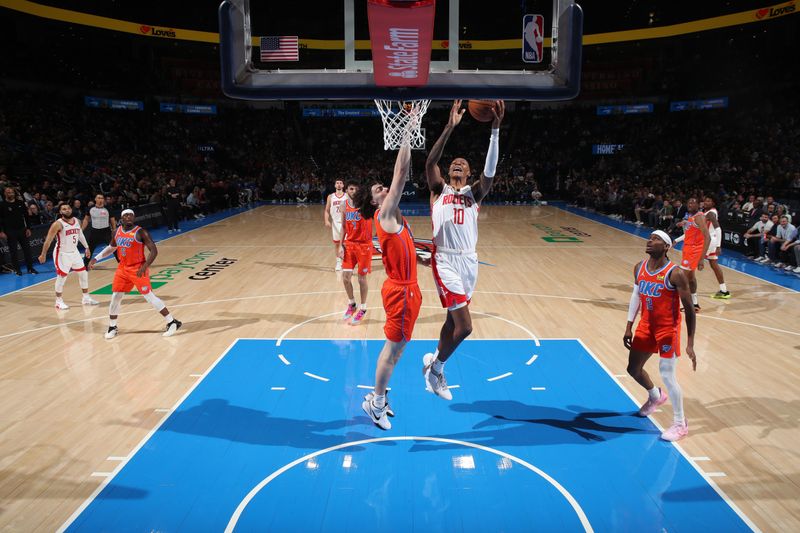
(54, 150)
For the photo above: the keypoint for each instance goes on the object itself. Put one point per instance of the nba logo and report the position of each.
(532, 38)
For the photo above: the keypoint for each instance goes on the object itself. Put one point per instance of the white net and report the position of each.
(402, 120)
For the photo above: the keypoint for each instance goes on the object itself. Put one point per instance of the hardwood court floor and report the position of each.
(74, 404)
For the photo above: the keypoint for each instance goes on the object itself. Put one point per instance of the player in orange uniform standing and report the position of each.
(133, 271)
(696, 240)
(401, 296)
(355, 250)
(659, 289)
(333, 217)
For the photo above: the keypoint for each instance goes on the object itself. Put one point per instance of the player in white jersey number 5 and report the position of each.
(454, 209)
(67, 232)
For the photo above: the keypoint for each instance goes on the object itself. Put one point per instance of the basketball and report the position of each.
(481, 110)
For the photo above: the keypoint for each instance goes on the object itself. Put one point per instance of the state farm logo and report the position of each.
(157, 32)
(404, 56)
(775, 11)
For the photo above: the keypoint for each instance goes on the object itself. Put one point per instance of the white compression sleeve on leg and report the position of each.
(83, 279)
(116, 303)
(633, 307)
(667, 368)
(155, 301)
(60, 281)
(492, 155)
(107, 251)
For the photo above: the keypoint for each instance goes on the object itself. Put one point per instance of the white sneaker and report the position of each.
(389, 411)
(789, 268)
(379, 416)
(435, 382)
(172, 327)
(111, 333)
(62, 306)
(778, 265)
(88, 300)
(797, 270)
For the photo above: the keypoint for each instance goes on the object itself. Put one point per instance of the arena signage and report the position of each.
(554, 235)
(154, 31)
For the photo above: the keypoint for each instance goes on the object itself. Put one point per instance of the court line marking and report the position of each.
(263, 483)
(716, 474)
(538, 388)
(157, 242)
(532, 359)
(309, 374)
(283, 359)
(678, 447)
(162, 410)
(702, 458)
(277, 388)
(195, 375)
(141, 444)
(454, 386)
(283, 335)
(314, 293)
(116, 458)
(645, 238)
(501, 376)
(101, 474)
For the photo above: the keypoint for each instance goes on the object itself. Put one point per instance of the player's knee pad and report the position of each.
(155, 301)
(83, 279)
(116, 303)
(60, 281)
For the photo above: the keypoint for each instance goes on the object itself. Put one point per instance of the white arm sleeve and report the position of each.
(679, 239)
(493, 154)
(633, 307)
(107, 251)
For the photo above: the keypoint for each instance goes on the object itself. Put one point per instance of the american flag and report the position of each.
(282, 48)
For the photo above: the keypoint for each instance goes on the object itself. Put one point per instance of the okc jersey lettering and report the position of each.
(356, 229)
(124, 242)
(131, 251)
(659, 300)
(648, 288)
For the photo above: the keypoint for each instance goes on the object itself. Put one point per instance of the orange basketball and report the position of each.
(481, 110)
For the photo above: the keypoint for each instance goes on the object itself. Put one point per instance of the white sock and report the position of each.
(112, 322)
(694, 298)
(438, 366)
(352, 303)
(723, 287)
(363, 307)
(59, 300)
(169, 318)
(654, 393)
(379, 400)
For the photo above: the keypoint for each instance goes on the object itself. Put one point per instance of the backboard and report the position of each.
(507, 49)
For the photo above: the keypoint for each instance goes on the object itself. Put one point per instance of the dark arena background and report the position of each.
(210, 364)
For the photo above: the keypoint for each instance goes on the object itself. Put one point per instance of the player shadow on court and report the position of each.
(219, 419)
(512, 423)
(297, 266)
(767, 413)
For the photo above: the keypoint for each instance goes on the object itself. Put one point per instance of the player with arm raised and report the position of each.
(454, 210)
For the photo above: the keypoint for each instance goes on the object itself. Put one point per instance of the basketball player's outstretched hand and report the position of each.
(692, 356)
(456, 113)
(499, 111)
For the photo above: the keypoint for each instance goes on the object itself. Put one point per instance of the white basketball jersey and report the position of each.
(337, 206)
(714, 232)
(455, 219)
(68, 236)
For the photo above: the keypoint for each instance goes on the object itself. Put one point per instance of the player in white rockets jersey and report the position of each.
(333, 217)
(715, 248)
(67, 232)
(454, 210)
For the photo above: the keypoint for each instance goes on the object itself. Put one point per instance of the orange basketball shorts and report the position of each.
(665, 341)
(357, 254)
(691, 257)
(125, 279)
(401, 301)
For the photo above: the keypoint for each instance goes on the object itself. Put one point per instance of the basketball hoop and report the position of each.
(402, 120)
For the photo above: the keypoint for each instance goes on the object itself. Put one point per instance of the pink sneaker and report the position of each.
(650, 406)
(351, 310)
(359, 316)
(676, 431)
